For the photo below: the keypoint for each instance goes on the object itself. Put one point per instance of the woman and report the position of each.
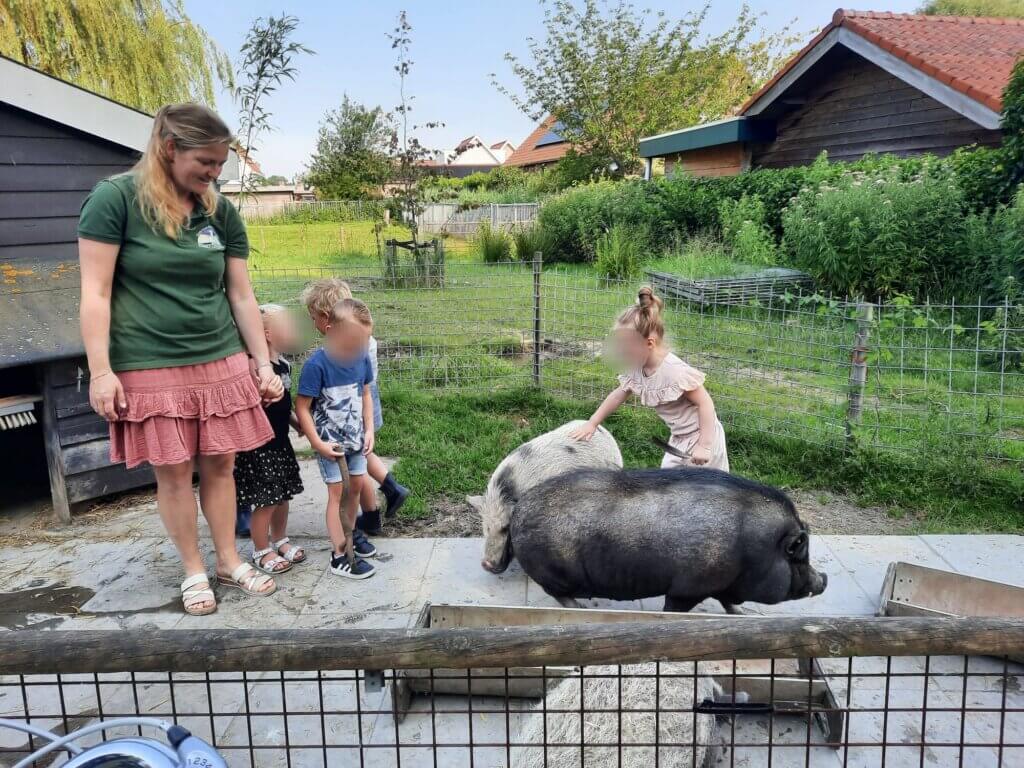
(166, 308)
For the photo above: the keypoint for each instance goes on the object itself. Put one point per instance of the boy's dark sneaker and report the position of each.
(362, 546)
(370, 523)
(243, 514)
(341, 567)
(395, 493)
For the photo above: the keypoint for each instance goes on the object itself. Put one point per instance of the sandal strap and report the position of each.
(281, 543)
(197, 596)
(193, 580)
(248, 577)
(260, 554)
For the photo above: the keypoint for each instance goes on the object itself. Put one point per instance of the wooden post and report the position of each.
(538, 260)
(858, 368)
(51, 441)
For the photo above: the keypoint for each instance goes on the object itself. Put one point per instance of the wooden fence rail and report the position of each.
(228, 650)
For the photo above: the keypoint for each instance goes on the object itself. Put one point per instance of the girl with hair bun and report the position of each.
(664, 382)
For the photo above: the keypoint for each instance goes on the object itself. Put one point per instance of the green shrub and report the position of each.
(529, 240)
(876, 233)
(493, 245)
(745, 232)
(619, 253)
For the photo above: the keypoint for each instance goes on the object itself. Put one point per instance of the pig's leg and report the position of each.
(735, 610)
(680, 604)
(568, 602)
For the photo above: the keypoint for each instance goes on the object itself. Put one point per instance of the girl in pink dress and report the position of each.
(664, 382)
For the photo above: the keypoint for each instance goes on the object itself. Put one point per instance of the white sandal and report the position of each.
(249, 580)
(271, 565)
(294, 554)
(192, 597)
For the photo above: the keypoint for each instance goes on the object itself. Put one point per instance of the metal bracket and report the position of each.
(373, 680)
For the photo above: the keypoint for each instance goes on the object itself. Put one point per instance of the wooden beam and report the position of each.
(51, 441)
(229, 650)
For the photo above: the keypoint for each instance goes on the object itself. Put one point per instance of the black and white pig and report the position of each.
(687, 534)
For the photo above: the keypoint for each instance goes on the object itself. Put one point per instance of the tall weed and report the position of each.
(493, 245)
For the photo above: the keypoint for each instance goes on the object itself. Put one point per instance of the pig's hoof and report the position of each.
(735, 610)
(568, 602)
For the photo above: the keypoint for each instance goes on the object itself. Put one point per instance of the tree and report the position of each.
(408, 153)
(266, 62)
(1003, 8)
(270, 181)
(144, 53)
(613, 74)
(351, 158)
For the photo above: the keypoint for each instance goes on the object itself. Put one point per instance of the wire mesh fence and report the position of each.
(256, 211)
(455, 219)
(894, 376)
(844, 710)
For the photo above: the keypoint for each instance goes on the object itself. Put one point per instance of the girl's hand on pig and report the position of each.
(584, 433)
(106, 395)
(700, 455)
(270, 386)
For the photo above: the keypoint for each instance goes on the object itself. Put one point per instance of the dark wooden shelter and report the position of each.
(56, 142)
(900, 84)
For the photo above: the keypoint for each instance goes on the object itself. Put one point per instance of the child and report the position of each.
(335, 411)
(267, 478)
(320, 297)
(660, 379)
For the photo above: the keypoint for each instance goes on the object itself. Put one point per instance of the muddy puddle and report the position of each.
(26, 608)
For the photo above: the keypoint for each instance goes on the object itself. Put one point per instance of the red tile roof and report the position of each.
(529, 153)
(974, 56)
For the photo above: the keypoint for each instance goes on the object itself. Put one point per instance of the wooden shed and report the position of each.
(56, 142)
(869, 82)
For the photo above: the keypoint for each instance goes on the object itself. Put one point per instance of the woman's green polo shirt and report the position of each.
(167, 306)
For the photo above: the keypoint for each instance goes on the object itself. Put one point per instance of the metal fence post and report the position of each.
(858, 367)
(538, 260)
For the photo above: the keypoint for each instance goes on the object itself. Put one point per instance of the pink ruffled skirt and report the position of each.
(174, 414)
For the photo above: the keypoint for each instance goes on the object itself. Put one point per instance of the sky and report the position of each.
(456, 45)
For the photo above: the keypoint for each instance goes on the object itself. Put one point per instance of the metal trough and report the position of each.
(788, 694)
(914, 590)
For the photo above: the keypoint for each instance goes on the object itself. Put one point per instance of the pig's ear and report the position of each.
(476, 502)
(796, 546)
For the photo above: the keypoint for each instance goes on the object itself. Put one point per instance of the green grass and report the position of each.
(451, 442)
(935, 412)
(329, 245)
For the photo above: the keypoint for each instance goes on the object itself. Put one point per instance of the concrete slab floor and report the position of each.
(90, 582)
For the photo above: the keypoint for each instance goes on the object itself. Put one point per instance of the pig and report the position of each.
(545, 456)
(666, 706)
(686, 533)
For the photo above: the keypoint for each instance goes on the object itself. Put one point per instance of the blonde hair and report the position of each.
(644, 317)
(268, 311)
(322, 296)
(352, 310)
(189, 126)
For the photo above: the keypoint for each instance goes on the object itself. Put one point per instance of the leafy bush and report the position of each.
(876, 233)
(493, 245)
(529, 240)
(619, 253)
(744, 230)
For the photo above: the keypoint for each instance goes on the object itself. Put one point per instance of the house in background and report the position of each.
(471, 155)
(58, 140)
(271, 197)
(869, 82)
(542, 148)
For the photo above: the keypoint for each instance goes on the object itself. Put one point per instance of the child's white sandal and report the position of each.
(271, 566)
(294, 554)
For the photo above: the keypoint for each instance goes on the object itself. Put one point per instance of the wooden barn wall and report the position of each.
(723, 160)
(862, 109)
(46, 171)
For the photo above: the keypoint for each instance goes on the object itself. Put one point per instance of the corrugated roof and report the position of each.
(972, 55)
(529, 153)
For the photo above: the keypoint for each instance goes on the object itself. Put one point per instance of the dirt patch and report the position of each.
(448, 518)
(827, 512)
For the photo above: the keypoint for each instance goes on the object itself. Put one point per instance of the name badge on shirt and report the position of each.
(207, 238)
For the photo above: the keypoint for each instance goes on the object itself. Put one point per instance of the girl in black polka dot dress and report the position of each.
(267, 478)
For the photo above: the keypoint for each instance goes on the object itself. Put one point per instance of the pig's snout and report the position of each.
(818, 583)
(487, 565)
